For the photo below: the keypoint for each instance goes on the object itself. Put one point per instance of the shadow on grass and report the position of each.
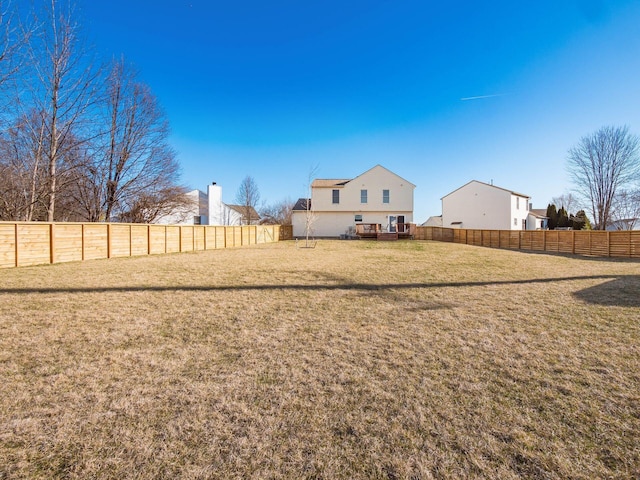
(578, 256)
(621, 290)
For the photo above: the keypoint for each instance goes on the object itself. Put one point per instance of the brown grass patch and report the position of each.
(351, 360)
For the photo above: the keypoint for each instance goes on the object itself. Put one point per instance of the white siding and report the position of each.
(519, 212)
(482, 206)
(332, 220)
(219, 212)
(197, 206)
(534, 223)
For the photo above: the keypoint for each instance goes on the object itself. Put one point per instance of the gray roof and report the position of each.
(241, 209)
(301, 204)
(539, 212)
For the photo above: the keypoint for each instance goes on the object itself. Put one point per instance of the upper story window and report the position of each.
(385, 196)
(336, 196)
(518, 203)
(363, 196)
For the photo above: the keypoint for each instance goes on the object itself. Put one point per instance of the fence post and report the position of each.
(82, 235)
(608, 244)
(108, 240)
(148, 239)
(165, 239)
(15, 238)
(52, 244)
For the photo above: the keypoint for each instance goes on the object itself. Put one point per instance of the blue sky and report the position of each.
(272, 89)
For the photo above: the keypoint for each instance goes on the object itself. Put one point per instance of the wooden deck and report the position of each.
(375, 230)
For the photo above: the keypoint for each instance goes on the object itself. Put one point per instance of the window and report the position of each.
(515, 222)
(518, 203)
(197, 220)
(336, 196)
(363, 196)
(385, 196)
(358, 218)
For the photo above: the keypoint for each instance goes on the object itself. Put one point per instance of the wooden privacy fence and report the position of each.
(33, 243)
(582, 242)
(286, 232)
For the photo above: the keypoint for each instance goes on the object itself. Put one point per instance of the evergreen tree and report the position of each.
(563, 218)
(552, 213)
(580, 221)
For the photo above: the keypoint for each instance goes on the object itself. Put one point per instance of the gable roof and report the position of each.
(488, 185)
(539, 212)
(241, 209)
(301, 204)
(386, 170)
(433, 221)
(333, 183)
(329, 183)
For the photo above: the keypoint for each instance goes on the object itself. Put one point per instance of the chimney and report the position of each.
(216, 210)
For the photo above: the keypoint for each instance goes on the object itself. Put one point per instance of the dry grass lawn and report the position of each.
(351, 360)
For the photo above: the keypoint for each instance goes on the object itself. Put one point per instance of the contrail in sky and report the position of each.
(483, 96)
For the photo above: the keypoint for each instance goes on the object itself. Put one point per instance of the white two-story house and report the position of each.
(208, 209)
(377, 196)
(479, 205)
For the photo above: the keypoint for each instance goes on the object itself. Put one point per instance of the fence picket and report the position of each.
(34, 243)
(584, 242)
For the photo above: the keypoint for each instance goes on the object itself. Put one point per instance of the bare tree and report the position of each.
(131, 162)
(279, 213)
(566, 200)
(84, 147)
(310, 216)
(62, 91)
(150, 206)
(247, 198)
(13, 37)
(23, 182)
(601, 164)
(626, 209)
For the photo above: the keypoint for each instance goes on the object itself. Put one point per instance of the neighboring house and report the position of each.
(478, 205)
(193, 212)
(336, 206)
(221, 213)
(209, 209)
(537, 219)
(624, 224)
(434, 221)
